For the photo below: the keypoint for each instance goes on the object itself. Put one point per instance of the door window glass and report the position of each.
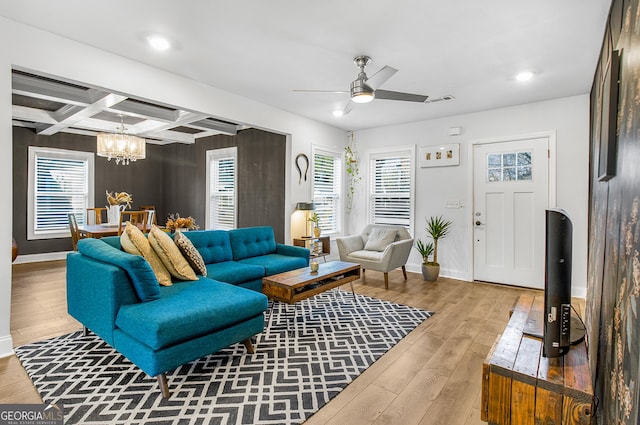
(509, 166)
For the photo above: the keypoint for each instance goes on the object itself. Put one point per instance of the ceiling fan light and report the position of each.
(360, 92)
(362, 97)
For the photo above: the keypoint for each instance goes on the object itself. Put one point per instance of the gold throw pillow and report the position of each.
(170, 255)
(134, 242)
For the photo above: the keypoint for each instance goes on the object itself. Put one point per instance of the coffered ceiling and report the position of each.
(264, 50)
(51, 106)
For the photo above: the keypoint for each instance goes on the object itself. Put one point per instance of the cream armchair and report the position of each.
(378, 247)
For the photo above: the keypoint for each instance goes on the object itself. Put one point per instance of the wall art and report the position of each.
(440, 155)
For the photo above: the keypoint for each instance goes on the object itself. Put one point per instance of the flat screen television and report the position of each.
(555, 324)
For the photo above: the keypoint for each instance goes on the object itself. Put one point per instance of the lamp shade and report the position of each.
(305, 206)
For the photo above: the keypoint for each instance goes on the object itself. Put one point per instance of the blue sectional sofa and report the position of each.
(117, 296)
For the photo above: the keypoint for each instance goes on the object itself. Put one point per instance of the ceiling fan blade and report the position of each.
(395, 95)
(347, 108)
(322, 91)
(380, 77)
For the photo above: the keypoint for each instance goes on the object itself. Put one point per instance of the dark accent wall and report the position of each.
(613, 287)
(172, 178)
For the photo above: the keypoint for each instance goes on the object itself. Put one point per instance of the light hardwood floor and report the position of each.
(433, 376)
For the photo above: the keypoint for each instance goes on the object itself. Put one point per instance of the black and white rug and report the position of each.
(291, 375)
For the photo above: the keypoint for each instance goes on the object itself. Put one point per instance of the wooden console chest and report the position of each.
(520, 386)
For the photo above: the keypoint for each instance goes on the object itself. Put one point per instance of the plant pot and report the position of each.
(316, 232)
(430, 272)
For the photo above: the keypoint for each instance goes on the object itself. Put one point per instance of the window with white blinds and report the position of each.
(327, 188)
(390, 188)
(60, 182)
(221, 188)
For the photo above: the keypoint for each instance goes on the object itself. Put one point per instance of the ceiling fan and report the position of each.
(364, 89)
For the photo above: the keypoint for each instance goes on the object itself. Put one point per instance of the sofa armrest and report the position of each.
(293, 251)
(95, 292)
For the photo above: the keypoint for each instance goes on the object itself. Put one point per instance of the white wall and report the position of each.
(31, 49)
(567, 117)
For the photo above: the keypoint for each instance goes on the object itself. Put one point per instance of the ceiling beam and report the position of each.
(149, 128)
(69, 115)
(24, 113)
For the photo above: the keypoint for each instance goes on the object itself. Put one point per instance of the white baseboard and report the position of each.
(6, 346)
(453, 274)
(35, 258)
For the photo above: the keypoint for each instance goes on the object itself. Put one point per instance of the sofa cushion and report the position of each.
(235, 272)
(252, 242)
(276, 263)
(170, 255)
(190, 253)
(135, 242)
(213, 245)
(379, 239)
(189, 310)
(139, 271)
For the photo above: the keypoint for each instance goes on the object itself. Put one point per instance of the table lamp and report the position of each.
(306, 207)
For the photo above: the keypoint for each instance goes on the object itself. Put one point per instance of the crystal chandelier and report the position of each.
(121, 146)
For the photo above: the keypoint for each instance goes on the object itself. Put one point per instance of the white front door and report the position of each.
(511, 193)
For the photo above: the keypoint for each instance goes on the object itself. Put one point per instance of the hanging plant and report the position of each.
(353, 170)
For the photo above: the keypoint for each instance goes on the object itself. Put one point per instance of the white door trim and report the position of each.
(553, 172)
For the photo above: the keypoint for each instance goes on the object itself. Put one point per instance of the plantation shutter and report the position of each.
(222, 189)
(327, 169)
(390, 201)
(60, 183)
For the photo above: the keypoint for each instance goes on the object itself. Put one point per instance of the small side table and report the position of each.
(313, 244)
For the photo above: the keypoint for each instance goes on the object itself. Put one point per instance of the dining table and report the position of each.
(97, 230)
(101, 230)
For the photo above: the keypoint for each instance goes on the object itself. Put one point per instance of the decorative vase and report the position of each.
(314, 266)
(113, 213)
(430, 273)
(316, 232)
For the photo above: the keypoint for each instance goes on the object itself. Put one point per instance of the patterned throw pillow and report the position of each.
(134, 242)
(170, 255)
(190, 253)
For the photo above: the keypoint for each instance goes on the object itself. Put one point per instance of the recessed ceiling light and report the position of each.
(159, 42)
(524, 76)
(338, 113)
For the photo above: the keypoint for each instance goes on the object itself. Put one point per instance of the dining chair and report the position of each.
(73, 228)
(94, 215)
(152, 216)
(139, 218)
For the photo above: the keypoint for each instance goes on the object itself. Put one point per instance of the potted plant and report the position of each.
(437, 228)
(315, 219)
(428, 269)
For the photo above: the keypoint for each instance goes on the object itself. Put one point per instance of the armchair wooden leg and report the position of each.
(386, 281)
(247, 343)
(404, 272)
(164, 385)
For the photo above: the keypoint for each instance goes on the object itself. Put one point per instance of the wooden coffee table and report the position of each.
(297, 285)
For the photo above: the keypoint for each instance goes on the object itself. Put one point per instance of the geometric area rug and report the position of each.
(306, 355)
